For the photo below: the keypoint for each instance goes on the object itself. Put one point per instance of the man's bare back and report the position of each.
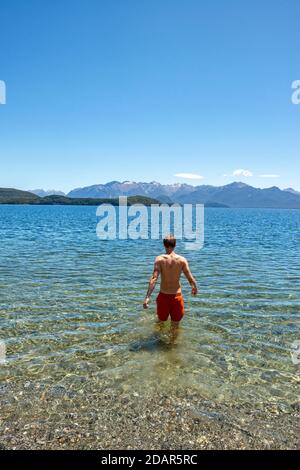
(169, 267)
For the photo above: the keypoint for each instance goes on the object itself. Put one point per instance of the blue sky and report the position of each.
(102, 90)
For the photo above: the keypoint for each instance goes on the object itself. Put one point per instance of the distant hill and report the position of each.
(215, 204)
(69, 201)
(16, 196)
(233, 195)
(291, 190)
(48, 192)
(243, 195)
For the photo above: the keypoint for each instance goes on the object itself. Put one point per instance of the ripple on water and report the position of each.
(71, 307)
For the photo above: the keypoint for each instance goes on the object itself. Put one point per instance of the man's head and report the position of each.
(169, 243)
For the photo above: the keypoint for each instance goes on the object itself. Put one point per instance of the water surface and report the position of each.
(71, 306)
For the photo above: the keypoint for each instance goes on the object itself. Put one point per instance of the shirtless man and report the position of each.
(170, 266)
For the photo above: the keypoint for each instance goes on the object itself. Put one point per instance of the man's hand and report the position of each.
(194, 290)
(146, 302)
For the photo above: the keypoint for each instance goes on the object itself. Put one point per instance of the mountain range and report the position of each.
(49, 192)
(236, 194)
(231, 195)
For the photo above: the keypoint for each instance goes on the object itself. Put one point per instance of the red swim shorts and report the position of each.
(170, 304)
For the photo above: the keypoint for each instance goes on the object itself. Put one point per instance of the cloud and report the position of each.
(189, 176)
(269, 176)
(242, 172)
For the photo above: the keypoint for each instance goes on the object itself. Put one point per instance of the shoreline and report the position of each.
(114, 419)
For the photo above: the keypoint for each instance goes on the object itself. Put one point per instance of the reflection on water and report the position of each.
(71, 307)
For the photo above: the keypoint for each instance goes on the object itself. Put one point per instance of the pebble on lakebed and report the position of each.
(78, 415)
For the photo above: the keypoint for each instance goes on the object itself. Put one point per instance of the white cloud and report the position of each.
(189, 176)
(242, 172)
(269, 176)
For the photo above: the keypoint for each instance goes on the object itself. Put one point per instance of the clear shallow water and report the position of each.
(70, 307)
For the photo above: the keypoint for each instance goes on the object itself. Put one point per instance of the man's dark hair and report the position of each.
(169, 241)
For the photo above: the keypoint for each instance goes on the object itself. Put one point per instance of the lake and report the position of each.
(75, 331)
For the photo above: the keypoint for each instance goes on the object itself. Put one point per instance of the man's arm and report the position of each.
(189, 276)
(152, 282)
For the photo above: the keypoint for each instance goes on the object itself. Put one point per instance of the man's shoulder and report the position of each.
(182, 259)
(161, 258)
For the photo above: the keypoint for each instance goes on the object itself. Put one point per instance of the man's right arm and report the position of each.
(152, 282)
(187, 272)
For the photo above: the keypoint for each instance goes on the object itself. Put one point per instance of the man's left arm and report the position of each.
(187, 272)
(152, 283)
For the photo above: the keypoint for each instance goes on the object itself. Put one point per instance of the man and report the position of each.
(170, 266)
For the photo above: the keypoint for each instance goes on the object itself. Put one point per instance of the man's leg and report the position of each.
(174, 330)
(177, 309)
(162, 308)
(177, 313)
